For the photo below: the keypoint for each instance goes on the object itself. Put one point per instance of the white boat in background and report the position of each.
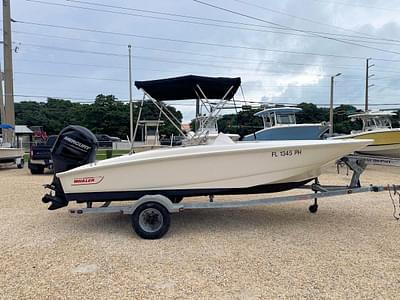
(280, 124)
(222, 168)
(208, 132)
(378, 127)
(10, 155)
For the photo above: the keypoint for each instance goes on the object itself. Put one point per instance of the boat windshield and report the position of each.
(274, 119)
(269, 120)
(376, 123)
(286, 119)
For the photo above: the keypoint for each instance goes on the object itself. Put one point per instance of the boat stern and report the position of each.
(75, 146)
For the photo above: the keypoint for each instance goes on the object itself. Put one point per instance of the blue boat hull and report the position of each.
(305, 132)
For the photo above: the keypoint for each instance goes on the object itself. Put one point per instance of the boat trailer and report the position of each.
(151, 214)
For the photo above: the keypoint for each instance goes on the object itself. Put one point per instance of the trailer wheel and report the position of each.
(21, 164)
(151, 220)
(36, 169)
(313, 208)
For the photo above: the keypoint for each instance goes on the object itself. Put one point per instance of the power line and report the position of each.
(191, 42)
(162, 13)
(357, 5)
(232, 22)
(71, 64)
(298, 17)
(52, 97)
(288, 27)
(166, 60)
(181, 104)
(68, 76)
(306, 33)
(73, 50)
(193, 53)
(168, 19)
(350, 67)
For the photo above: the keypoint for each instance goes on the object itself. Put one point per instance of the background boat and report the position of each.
(280, 124)
(377, 126)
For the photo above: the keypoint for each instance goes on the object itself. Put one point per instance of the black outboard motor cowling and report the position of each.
(75, 146)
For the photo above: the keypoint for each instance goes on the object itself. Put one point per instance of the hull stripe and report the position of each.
(134, 195)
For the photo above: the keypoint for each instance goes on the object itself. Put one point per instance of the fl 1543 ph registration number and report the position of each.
(294, 152)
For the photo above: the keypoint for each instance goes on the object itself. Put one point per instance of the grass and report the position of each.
(102, 153)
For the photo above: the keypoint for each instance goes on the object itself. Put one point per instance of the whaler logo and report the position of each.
(87, 180)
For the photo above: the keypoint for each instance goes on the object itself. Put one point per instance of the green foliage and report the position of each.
(242, 123)
(245, 123)
(106, 115)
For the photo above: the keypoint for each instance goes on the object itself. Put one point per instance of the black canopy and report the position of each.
(185, 87)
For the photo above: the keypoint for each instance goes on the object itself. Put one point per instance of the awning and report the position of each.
(187, 87)
(6, 126)
(22, 129)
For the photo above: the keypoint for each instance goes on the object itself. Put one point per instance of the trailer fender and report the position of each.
(164, 201)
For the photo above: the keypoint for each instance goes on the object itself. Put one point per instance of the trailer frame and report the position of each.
(162, 207)
(151, 213)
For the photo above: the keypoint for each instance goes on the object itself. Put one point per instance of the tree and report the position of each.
(106, 115)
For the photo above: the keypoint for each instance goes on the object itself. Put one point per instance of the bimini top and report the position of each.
(187, 87)
(278, 110)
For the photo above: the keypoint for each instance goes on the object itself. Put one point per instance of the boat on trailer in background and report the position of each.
(9, 154)
(280, 124)
(378, 127)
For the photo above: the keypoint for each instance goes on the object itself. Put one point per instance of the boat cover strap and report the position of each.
(187, 87)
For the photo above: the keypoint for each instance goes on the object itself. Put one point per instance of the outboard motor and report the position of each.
(75, 146)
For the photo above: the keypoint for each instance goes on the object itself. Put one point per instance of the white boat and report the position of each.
(10, 155)
(222, 168)
(378, 127)
(208, 131)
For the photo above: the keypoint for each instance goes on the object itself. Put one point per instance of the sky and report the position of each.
(284, 51)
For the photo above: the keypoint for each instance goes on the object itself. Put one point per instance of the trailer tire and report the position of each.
(36, 169)
(21, 164)
(151, 220)
(313, 208)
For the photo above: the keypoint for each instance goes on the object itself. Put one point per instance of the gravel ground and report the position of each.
(349, 249)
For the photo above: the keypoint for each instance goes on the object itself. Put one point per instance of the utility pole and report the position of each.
(2, 111)
(8, 70)
(130, 95)
(331, 104)
(367, 85)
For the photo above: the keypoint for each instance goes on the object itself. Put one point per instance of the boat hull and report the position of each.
(240, 168)
(386, 142)
(8, 155)
(289, 132)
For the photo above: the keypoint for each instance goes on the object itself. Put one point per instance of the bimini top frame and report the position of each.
(191, 87)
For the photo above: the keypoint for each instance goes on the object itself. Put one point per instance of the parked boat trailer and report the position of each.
(151, 213)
